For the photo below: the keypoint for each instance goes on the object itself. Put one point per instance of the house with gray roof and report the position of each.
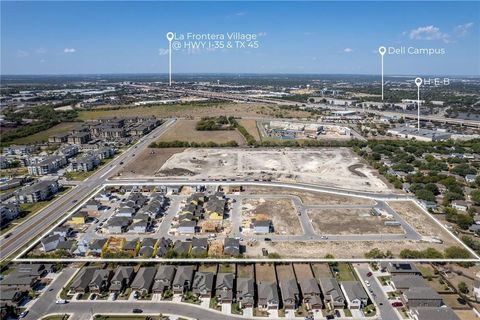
(144, 279)
(311, 293)
(231, 247)
(245, 292)
(82, 280)
(100, 280)
(290, 293)
(400, 268)
(422, 297)
(355, 295)
(332, 293)
(268, 297)
(187, 227)
(182, 247)
(116, 225)
(404, 282)
(224, 287)
(24, 277)
(163, 278)
(202, 284)
(122, 278)
(199, 246)
(162, 246)
(40, 191)
(261, 226)
(183, 279)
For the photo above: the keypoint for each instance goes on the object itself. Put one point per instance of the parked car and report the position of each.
(397, 304)
(23, 314)
(61, 301)
(369, 274)
(93, 296)
(337, 314)
(367, 283)
(137, 310)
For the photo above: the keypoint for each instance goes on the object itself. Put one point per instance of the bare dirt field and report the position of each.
(251, 126)
(344, 249)
(310, 198)
(184, 130)
(245, 270)
(349, 221)
(281, 211)
(265, 272)
(421, 222)
(285, 271)
(303, 270)
(325, 166)
(321, 270)
(201, 109)
(147, 163)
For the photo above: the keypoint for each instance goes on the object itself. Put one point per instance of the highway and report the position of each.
(24, 233)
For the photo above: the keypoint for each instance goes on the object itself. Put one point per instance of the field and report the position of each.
(148, 162)
(349, 221)
(321, 270)
(251, 126)
(285, 271)
(421, 222)
(324, 166)
(41, 136)
(245, 271)
(265, 272)
(184, 130)
(303, 270)
(204, 109)
(280, 211)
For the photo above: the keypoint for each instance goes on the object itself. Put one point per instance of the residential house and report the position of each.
(162, 246)
(122, 278)
(81, 282)
(182, 248)
(355, 295)
(261, 226)
(470, 178)
(460, 205)
(199, 246)
(40, 191)
(332, 293)
(24, 277)
(400, 268)
(231, 247)
(116, 225)
(163, 278)
(245, 292)
(224, 287)
(202, 284)
(187, 227)
(183, 279)
(148, 247)
(268, 296)
(8, 212)
(433, 313)
(144, 279)
(404, 282)
(422, 297)
(100, 280)
(290, 293)
(311, 293)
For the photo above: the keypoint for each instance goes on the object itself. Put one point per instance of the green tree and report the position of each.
(463, 288)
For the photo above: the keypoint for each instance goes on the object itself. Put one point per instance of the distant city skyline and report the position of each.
(298, 38)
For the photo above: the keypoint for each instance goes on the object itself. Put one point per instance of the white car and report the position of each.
(367, 283)
(61, 301)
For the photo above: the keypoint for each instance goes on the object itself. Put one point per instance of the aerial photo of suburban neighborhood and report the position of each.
(164, 168)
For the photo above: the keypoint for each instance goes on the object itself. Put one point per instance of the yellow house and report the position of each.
(78, 218)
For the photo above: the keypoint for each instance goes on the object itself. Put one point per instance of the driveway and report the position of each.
(205, 302)
(227, 308)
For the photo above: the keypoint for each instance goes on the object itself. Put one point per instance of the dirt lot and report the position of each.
(325, 166)
(265, 272)
(421, 222)
(202, 109)
(245, 271)
(281, 211)
(285, 271)
(321, 270)
(184, 130)
(311, 198)
(466, 314)
(251, 126)
(349, 221)
(146, 163)
(303, 270)
(342, 249)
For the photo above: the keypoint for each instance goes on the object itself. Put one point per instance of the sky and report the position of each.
(66, 37)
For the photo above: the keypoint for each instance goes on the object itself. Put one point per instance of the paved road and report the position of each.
(28, 230)
(387, 312)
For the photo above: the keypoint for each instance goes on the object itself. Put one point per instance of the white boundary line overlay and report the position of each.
(19, 258)
(170, 36)
(418, 82)
(382, 50)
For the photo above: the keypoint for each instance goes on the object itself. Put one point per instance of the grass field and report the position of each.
(251, 126)
(195, 110)
(43, 135)
(184, 130)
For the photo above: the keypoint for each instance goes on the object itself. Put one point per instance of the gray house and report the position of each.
(261, 226)
(163, 278)
(268, 296)
(245, 292)
(224, 287)
(199, 246)
(406, 281)
(187, 227)
(122, 278)
(144, 280)
(355, 296)
(82, 280)
(332, 293)
(231, 247)
(202, 284)
(426, 313)
(311, 293)
(100, 280)
(422, 297)
(183, 279)
(290, 293)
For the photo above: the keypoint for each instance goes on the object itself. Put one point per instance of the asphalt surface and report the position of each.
(383, 306)
(24, 233)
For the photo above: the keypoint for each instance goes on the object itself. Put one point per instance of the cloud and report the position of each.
(348, 50)
(262, 34)
(162, 52)
(22, 53)
(69, 50)
(462, 29)
(429, 33)
(241, 14)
